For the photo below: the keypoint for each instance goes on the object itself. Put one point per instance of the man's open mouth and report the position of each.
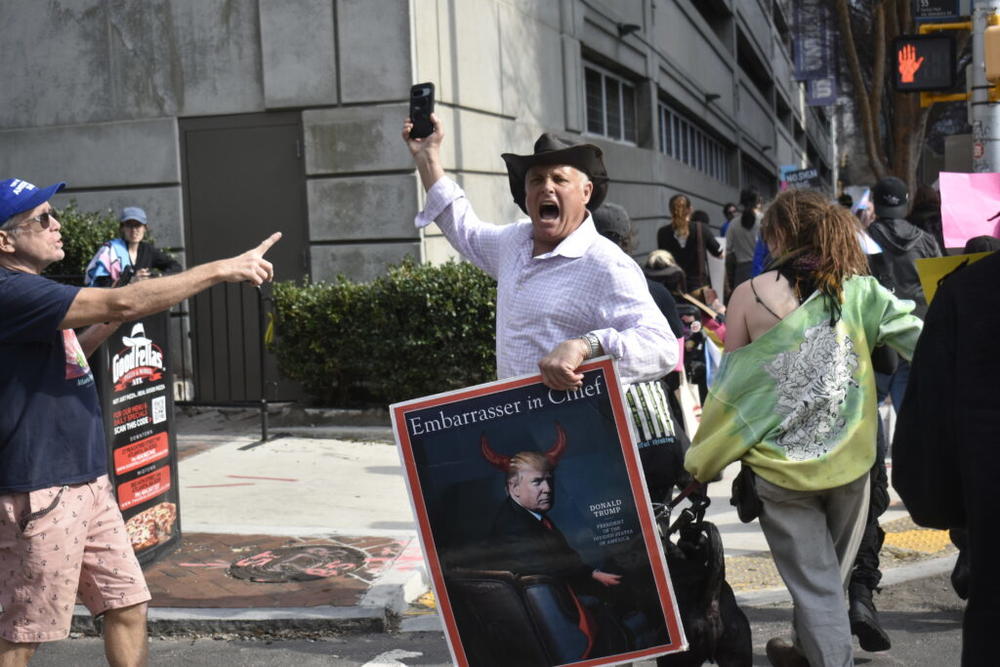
(548, 211)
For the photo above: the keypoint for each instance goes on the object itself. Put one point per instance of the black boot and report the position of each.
(864, 620)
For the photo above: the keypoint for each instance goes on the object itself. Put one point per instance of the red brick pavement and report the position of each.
(197, 573)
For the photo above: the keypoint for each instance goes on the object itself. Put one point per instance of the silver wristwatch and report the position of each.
(595, 344)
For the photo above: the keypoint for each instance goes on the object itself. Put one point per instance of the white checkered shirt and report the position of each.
(586, 285)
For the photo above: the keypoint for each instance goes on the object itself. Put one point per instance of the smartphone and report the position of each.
(421, 108)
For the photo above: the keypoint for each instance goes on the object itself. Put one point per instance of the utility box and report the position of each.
(991, 51)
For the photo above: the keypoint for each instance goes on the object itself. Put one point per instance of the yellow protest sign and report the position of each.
(933, 270)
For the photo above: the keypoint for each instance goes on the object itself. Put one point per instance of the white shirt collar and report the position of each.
(577, 243)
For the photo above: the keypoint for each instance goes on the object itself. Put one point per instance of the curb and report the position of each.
(895, 575)
(380, 434)
(182, 620)
(382, 607)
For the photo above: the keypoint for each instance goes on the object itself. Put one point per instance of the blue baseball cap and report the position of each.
(133, 213)
(18, 196)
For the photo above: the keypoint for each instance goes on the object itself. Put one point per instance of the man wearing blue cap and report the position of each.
(61, 533)
(128, 257)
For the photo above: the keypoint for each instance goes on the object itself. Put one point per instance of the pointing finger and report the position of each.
(266, 244)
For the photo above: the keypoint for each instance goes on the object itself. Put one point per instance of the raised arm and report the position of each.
(426, 152)
(477, 240)
(95, 305)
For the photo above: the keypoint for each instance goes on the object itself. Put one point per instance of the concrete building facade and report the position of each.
(684, 96)
(121, 99)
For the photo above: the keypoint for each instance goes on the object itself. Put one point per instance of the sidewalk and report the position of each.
(312, 532)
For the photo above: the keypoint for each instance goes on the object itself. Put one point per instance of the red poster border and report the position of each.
(637, 484)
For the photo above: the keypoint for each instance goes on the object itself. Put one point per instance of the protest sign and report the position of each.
(969, 206)
(559, 562)
(932, 270)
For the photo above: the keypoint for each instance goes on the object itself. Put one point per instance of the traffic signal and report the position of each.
(923, 62)
(991, 52)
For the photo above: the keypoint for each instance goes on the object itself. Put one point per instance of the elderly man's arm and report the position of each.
(633, 331)
(94, 305)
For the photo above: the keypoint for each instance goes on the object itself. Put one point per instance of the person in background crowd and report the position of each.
(925, 214)
(701, 217)
(866, 575)
(729, 213)
(689, 242)
(661, 440)
(661, 267)
(613, 223)
(945, 462)
(891, 245)
(846, 200)
(901, 244)
(798, 408)
(981, 244)
(741, 239)
(129, 257)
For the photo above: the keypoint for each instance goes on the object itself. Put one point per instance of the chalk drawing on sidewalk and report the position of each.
(298, 563)
(364, 559)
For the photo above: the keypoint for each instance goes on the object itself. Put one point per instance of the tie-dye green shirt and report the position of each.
(798, 403)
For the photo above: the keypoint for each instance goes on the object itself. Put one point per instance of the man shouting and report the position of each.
(564, 292)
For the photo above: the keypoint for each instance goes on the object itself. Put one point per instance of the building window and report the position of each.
(610, 105)
(686, 142)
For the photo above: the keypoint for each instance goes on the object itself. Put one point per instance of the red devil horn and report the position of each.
(558, 448)
(498, 461)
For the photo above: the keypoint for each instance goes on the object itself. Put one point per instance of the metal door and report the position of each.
(243, 179)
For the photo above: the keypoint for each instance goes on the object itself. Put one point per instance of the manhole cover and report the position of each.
(299, 563)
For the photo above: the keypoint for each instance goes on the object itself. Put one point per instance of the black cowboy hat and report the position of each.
(551, 149)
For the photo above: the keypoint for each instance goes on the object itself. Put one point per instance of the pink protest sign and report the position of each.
(968, 201)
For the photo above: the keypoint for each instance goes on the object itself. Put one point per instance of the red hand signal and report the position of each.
(908, 63)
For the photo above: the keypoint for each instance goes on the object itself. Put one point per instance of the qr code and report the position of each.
(159, 409)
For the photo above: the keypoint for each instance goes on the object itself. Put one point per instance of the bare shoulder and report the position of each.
(770, 282)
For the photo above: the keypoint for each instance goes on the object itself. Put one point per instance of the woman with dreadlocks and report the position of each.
(794, 400)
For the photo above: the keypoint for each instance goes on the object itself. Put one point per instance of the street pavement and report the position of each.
(304, 548)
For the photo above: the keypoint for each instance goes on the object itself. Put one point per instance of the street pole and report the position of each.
(985, 114)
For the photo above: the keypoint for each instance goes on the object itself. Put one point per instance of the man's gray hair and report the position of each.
(10, 225)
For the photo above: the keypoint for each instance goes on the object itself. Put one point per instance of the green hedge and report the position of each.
(82, 234)
(418, 330)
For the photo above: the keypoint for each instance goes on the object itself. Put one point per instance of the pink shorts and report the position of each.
(52, 543)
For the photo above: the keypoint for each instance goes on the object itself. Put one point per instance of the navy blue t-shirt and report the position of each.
(50, 417)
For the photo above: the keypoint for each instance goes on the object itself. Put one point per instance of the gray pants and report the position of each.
(814, 537)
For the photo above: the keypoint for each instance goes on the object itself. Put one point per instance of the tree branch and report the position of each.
(878, 61)
(862, 101)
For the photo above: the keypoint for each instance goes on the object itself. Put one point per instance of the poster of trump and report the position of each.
(536, 525)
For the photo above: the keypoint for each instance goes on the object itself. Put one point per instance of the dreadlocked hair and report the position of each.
(680, 214)
(816, 241)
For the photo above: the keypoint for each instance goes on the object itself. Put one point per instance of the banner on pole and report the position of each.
(813, 46)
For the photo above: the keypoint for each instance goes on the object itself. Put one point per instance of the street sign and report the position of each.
(940, 9)
(802, 178)
(923, 62)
